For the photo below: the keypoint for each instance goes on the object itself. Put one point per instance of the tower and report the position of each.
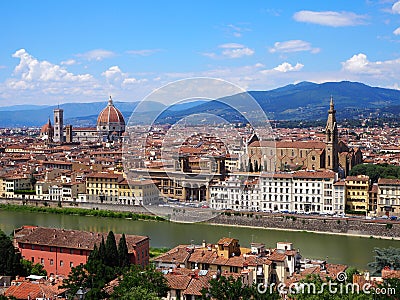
(331, 134)
(58, 125)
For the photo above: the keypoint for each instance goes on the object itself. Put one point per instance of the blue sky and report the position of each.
(79, 51)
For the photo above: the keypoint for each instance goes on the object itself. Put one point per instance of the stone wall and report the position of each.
(354, 226)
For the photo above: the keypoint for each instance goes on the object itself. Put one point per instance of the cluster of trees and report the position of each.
(108, 262)
(11, 262)
(376, 171)
(228, 288)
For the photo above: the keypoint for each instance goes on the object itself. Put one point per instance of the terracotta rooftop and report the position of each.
(69, 238)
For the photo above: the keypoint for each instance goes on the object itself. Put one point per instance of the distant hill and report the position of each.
(310, 101)
(302, 101)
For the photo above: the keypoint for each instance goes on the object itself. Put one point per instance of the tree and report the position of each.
(251, 169)
(256, 168)
(102, 250)
(148, 280)
(139, 293)
(389, 257)
(33, 269)
(123, 255)
(10, 262)
(228, 288)
(111, 253)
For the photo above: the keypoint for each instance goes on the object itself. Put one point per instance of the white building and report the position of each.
(236, 194)
(302, 191)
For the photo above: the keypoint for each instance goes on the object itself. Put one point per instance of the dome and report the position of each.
(110, 114)
(46, 127)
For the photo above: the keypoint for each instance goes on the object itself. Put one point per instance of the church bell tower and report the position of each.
(331, 135)
(58, 125)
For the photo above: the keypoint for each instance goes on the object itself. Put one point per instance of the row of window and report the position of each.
(51, 262)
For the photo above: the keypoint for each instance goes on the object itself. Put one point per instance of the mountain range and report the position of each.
(302, 101)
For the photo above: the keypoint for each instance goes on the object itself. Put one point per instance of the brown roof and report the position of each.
(389, 181)
(177, 281)
(226, 241)
(178, 254)
(69, 238)
(277, 256)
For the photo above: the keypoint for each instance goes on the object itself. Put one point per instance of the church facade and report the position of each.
(330, 154)
(110, 127)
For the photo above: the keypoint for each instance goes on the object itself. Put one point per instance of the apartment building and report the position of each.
(357, 193)
(388, 197)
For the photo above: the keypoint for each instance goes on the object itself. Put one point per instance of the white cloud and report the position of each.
(396, 31)
(230, 50)
(293, 46)
(231, 46)
(143, 52)
(359, 64)
(396, 7)
(30, 69)
(68, 62)
(235, 30)
(116, 77)
(287, 67)
(330, 18)
(97, 55)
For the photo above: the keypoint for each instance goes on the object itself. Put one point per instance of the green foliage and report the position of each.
(33, 269)
(228, 288)
(389, 257)
(251, 169)
(79, 211)
(123, 256)
(111, 255)
(389, 226)
(25, 192)
(10, 261)
(154, 252)
(150, 281)
(376, 171)
(102, 267)
(139, 293)
(2, 297)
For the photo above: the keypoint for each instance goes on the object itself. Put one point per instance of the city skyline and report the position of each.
(56, 52)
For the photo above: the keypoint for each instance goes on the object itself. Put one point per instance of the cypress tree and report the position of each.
(123, 256)
(251, 170)
(94, 255)
(111, 257)
(102, 251)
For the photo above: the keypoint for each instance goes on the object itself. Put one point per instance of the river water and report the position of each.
(349, 250)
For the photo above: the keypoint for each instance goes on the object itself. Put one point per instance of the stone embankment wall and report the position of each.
(381, 228)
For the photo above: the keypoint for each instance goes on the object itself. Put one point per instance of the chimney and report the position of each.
(204, 244)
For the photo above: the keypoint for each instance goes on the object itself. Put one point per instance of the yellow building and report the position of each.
(103, 187)
(357, 193)
(138, 192)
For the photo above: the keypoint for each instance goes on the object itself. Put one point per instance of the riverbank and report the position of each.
(331, 226)
(301, 223)
(80, 212)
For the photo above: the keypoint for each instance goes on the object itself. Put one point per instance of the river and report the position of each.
(349, 250)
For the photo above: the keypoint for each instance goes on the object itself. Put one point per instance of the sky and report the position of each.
(81, 51)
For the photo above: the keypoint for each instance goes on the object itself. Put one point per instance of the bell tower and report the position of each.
(58, 125)
(331, 140)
